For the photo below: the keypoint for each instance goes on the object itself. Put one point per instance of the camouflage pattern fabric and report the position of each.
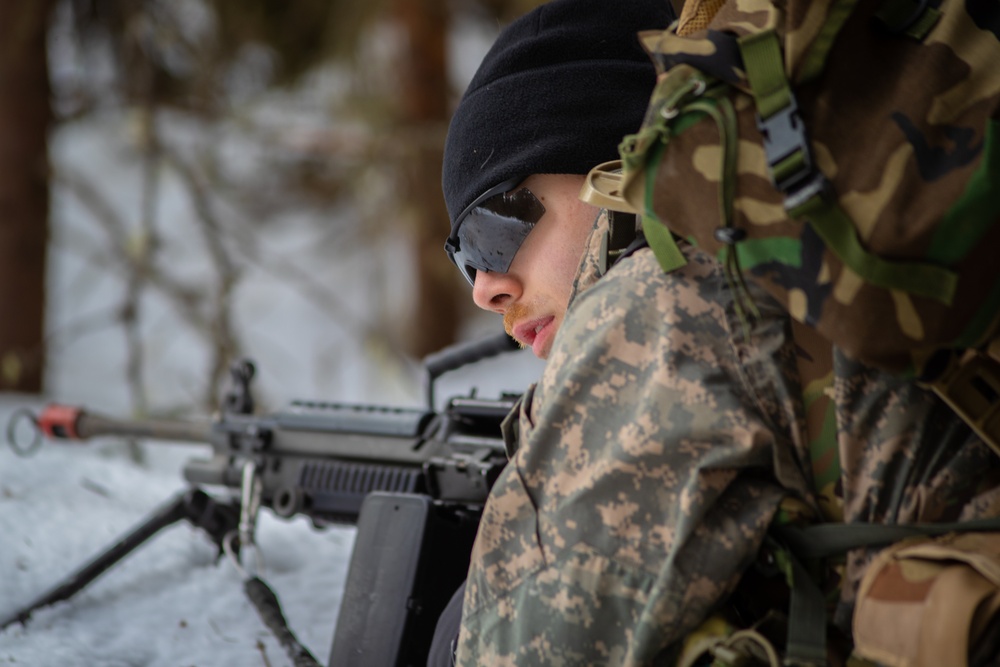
(904, 130)
(926, 603)
(648, 462)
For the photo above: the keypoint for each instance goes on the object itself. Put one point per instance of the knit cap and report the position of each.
(555, 94)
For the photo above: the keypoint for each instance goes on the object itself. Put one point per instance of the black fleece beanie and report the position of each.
(555, 94)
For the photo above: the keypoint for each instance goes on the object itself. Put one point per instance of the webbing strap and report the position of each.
(815, 58)
(805, 639)
(824, 540)
(836, 229)
(721, 110)
(805, 644)
(656, 233)
(922, 26)
(266, 603)
(765, 69)
(786, 147)
(914, 18)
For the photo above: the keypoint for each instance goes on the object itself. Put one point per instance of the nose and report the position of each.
(495, 291)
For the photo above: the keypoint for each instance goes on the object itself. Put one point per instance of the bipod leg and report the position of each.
(193, 505)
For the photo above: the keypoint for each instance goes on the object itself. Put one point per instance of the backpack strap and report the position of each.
(815, 58)
(793, 546)
(824, 540)
(913, 18)
(805, 643)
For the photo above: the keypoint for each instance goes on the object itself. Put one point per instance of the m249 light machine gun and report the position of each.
(414, 481)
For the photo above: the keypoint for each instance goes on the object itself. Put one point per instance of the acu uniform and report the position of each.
(649, 461)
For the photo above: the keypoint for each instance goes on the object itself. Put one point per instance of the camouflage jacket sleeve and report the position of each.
(653, 453)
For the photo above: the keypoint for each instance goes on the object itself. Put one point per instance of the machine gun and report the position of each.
(414, 481)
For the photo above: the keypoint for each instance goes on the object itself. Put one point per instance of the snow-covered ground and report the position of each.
(170, 603)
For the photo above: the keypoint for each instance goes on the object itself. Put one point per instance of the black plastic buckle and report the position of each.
(816, 185)
(785, 134)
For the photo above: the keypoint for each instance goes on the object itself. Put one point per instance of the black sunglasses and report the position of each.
(490, 230)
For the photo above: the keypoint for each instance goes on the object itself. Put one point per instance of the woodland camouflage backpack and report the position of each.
(846, 155)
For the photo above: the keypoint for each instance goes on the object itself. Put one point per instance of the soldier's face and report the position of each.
(533, 293)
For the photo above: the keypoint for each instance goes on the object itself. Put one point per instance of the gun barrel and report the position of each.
(66, 422)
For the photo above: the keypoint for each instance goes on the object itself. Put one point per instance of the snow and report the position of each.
(170, 602)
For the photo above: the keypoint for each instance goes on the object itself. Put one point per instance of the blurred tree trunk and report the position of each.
(25, 118)
(424, 114)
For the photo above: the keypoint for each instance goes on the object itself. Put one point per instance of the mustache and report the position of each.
(512, 315)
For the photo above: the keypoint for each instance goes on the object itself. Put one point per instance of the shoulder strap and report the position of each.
(806, 641)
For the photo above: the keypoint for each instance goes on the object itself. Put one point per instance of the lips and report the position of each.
(535, 334)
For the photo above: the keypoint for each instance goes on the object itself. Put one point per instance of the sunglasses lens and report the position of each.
(492, 231)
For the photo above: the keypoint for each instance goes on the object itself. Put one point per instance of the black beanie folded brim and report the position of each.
(556, 94)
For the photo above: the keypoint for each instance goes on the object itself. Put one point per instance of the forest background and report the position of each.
(184, 149)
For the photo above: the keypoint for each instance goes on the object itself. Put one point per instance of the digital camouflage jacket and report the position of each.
(649, 460)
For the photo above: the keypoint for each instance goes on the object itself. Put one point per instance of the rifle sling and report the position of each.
(269, 609)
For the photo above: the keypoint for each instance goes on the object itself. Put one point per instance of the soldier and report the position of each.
(667, 431)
